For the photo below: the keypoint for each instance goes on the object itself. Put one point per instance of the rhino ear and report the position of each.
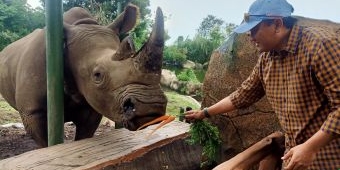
(125, 50)
(126, 21)
(85, 21)
(77, 15)
(69, 33)
(67, 29)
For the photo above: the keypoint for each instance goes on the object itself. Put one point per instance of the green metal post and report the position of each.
(55, 71)
(119, 10)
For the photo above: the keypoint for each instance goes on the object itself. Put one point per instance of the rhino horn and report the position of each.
(125, 50)
(157, 34)
(151, 54)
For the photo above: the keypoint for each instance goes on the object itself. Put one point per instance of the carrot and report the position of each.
(159, 119)
(164, 122)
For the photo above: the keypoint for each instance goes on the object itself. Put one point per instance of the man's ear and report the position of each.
(278, 24)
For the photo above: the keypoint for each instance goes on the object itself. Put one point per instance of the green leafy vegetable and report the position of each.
(203, 133)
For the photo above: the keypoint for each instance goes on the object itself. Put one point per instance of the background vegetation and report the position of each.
(18, 19)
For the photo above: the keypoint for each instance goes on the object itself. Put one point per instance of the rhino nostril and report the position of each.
(129, 109)
(128, 105)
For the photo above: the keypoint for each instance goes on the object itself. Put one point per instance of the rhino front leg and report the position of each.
(87, 122)
(36, 125)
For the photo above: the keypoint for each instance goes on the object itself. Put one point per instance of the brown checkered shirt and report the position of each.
(302, 84)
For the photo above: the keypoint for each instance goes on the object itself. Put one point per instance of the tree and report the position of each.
(209, 36)
(17, 19)
(229, 27)
(198, 49)
(209, 24)
(211, 33)
(174, 56)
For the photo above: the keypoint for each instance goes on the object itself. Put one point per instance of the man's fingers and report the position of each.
(287, 155)
(291, 165)
(287, 158)
(188, 112)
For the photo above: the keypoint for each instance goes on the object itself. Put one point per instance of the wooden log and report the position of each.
(119, 150)
(269, 149)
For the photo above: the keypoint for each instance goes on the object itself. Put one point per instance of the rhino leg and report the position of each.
(87, 121)
(36, 125)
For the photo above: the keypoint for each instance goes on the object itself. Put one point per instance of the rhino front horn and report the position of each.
(151, 54)
(157, 34)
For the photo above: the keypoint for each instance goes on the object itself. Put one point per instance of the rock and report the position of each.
(193, 88)
(189, 64)
(169, 79)
(14, 125)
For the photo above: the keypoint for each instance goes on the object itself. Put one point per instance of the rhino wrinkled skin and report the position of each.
(103, 75)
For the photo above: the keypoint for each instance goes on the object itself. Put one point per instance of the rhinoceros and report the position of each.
(103, 75)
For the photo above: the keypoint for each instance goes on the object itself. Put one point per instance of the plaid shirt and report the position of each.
(302, 84)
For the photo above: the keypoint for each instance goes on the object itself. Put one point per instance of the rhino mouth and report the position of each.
(134, 117)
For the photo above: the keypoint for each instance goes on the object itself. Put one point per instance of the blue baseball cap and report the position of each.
(264, 9)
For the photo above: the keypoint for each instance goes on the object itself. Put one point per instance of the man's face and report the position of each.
(264, 36)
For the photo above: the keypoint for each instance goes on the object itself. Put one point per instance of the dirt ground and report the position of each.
(14, 140)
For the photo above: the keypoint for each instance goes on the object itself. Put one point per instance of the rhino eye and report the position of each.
(97, 77)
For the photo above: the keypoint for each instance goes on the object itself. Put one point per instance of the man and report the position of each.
(299, 72)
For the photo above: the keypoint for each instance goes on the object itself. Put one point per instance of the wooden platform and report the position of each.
(119, 150)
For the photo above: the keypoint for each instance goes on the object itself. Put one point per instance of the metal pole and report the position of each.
(55, 71)
(119, 10)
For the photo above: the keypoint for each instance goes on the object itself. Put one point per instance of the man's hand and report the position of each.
(193, 115)
(299, 157)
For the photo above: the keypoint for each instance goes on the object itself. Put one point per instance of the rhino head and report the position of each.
(108, 74)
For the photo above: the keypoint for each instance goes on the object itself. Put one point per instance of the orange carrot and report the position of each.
(164, 122)
(159, 119)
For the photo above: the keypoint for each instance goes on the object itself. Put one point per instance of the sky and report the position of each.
(185, 16)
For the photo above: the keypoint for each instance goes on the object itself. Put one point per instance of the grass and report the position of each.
(175, 101)
(8, 114)
(4, 106)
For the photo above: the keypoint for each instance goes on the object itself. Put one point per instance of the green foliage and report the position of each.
(187, 75)
(204, 134)
(173, 56)
(7, 37)
(209, 24)
(17, 20)
(175, 101)
(229, 28)
(210, 35)
(199, 49)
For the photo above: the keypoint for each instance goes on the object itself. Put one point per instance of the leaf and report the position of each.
(204, 134)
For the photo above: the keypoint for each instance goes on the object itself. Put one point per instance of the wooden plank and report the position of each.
(120, 149)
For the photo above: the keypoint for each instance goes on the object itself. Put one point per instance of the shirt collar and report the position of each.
(294, 39)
